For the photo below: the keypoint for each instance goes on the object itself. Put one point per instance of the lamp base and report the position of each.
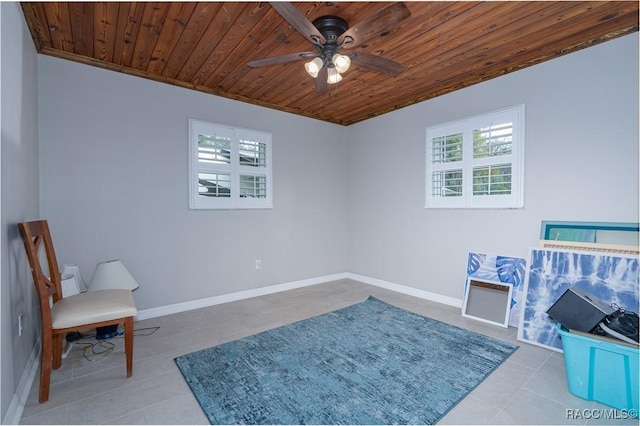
(107, 332)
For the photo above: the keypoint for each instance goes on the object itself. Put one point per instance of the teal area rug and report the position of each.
(370, 363)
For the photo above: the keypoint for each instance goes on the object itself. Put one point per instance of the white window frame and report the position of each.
(467, 163)
(234, 168)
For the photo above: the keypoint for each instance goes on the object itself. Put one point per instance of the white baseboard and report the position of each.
(232, 297)
(434, 297)
(14, 412)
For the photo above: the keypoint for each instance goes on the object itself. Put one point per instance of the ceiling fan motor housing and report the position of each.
(331, 27)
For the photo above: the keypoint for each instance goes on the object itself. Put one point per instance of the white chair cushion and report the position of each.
(92, 307)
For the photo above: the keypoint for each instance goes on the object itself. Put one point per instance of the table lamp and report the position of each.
(74, 270)
(111, 275)
(69, 285)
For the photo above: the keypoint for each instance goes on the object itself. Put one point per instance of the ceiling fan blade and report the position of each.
(298, 21)
(281, 59)
(321, 80)
(374, 24)
(375, 63)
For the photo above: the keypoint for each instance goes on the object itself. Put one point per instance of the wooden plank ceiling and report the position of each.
(444, 46)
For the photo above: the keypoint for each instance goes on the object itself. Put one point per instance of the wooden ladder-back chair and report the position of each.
(78, 312)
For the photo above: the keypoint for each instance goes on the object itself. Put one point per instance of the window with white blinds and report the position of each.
(229, 168)
(477, 162)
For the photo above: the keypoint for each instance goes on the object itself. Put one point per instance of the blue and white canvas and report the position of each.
(612, 278)
(505, 269)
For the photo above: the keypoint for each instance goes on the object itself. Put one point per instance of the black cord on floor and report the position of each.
(100, 348)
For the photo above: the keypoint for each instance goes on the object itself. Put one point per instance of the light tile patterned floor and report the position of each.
(529, 388)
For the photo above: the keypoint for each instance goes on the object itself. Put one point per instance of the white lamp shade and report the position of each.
(73, 269)
(313, 67)
(112, 275)
(333, 76)
(69, 285)
(341, 62)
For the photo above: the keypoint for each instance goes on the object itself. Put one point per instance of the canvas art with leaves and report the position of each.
(504, 269)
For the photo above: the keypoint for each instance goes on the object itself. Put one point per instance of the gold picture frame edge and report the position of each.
(584, 246)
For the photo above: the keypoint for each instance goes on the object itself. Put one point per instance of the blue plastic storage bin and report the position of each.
(598, 370)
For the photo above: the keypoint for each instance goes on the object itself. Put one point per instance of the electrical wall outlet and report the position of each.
(20, 325)
(259, 264)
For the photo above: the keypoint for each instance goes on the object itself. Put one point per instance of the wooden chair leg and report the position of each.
(128, 344)
(45, 367)
(57, 350)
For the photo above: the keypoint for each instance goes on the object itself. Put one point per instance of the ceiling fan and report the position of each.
(330, 34)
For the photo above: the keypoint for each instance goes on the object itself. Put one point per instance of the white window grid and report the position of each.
(477, 162)
(229, 168)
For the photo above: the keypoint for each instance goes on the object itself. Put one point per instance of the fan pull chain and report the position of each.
(335, 95)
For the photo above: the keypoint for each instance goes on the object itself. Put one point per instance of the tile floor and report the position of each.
(529, 388)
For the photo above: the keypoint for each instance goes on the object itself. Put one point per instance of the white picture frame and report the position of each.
(487, 301)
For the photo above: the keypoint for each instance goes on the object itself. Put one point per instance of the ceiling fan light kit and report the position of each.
(339, 64)
(330, 34)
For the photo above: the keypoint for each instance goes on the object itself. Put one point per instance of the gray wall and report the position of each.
(581, 113)
(19, 195)
(114, 181)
